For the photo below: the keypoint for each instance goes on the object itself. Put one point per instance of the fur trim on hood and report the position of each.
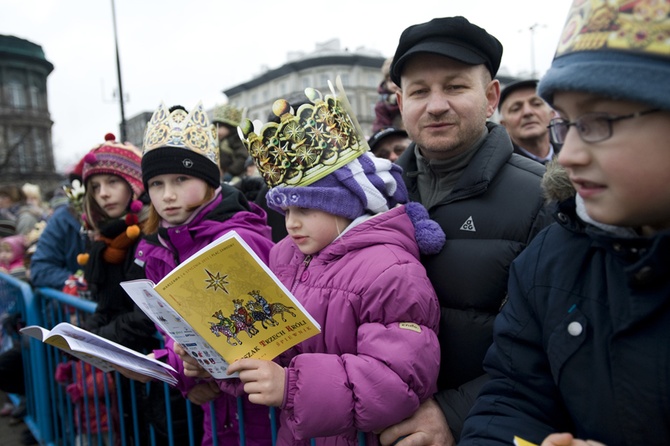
(556, 183)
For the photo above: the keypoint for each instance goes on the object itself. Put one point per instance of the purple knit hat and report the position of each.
(365, 185)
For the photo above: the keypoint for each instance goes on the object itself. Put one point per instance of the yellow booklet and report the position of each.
(223, 304)
(518, 441)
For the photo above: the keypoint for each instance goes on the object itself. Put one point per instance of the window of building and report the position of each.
(16, 157)
(16, 93)
(34, 93)
(323, 81)
(41, 159)
(306, 82)
(345, 80)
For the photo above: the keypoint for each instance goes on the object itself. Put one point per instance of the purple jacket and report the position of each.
(377, 356)
(228, 211)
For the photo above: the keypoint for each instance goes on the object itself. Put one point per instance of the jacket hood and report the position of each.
(399, 226)
(15, 243)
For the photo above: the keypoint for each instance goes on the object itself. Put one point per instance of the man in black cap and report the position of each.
(526, 117)
(389, 143)
(487, 200)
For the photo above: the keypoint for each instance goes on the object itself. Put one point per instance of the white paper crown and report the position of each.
(191, 131)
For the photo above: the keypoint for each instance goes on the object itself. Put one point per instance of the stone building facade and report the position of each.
(26, 150)
(359, 70)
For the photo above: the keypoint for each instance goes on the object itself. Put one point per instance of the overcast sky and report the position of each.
(191, 50)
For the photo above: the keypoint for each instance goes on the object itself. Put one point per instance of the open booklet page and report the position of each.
(169, 321)
(98, 351)
(225, 294)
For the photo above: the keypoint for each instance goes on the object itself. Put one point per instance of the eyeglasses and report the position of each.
(591, 127)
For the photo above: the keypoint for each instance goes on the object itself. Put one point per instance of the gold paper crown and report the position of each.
(307, 144)
(228, 114)
(593, 25)
(190, 131)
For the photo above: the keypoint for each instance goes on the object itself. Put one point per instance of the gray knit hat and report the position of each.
(614, 51)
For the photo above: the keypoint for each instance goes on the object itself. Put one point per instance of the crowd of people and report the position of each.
(475, 282)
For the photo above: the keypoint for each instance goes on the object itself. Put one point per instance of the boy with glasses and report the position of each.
(581, 347)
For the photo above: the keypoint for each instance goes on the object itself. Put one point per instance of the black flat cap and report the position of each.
(453, 37)
(514, 86)
(383, 133)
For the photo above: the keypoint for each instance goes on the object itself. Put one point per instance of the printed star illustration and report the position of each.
(217, 281)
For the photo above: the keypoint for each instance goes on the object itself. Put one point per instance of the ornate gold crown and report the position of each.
(642, 26)
(191, 131)
(307, 144)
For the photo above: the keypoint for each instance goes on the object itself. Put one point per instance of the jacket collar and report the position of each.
(475, 179)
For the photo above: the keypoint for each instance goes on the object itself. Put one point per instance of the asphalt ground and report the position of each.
(10, 434)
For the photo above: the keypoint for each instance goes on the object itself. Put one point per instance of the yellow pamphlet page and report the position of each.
(223, 304)
(518, 441)
(98, 351)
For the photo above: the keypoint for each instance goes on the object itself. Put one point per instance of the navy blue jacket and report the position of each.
(55, 257)
(583, 343)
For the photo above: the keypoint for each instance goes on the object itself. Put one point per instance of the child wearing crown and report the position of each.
(352, 259)
(581, 348)
(189, 209)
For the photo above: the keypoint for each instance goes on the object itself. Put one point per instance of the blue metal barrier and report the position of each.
(52, 417)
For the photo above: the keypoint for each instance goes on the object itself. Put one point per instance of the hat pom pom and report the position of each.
(133, 232)
(82, 258)
(428, 234)
(136, 206)
(110, 137)
(131, 219)
(90, 158)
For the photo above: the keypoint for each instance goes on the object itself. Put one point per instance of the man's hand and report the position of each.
(203, 393)
(264, 381)
(191, 366)
(427, 427)
(567, 440)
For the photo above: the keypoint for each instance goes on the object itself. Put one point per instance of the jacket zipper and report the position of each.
(300, 272)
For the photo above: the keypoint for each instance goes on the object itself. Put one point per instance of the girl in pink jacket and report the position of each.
(352, 258)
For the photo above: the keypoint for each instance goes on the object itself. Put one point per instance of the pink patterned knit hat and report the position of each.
(113, 158)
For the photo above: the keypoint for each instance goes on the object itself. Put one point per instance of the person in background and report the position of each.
(12, 251)
(389, 143)
(487, 199)
(232, 154)
(34, 200)
(54, 259)
(580, 349)
(526, 117)
(189, 209)
(251, 183)
(14, 208)
(387, 113)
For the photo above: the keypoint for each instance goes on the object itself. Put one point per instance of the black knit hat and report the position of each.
(453, 37)
(175, 160)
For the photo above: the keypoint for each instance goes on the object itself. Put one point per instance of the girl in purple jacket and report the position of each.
(352, 258)
(189, 209)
